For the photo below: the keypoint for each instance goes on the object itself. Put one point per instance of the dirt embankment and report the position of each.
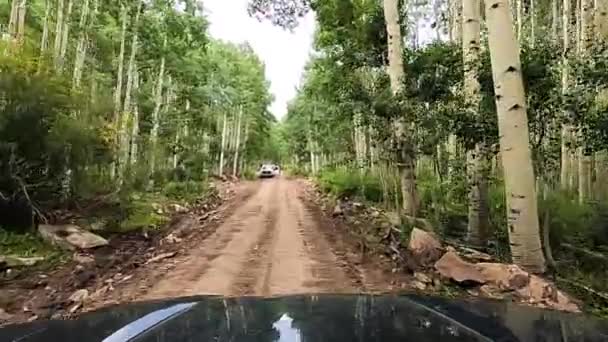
(268, 238)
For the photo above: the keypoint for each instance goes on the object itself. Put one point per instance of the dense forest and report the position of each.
(115, 98)
(488, 119)
(493, 126)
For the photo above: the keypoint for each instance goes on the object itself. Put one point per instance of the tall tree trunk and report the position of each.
(135, 126)
(519, 16)
(476, 159)
(584, 161)
(65, 36)
(44, 41)
(406, 158)
(21, 11)
(555, 20)
(223, 145)
(522, 211)
(601, 20)
(532, 15)
(238, 143)
(13, 19)
(456, 17)
(81, 47)
(566, 154)
(158, 101)
(118, 88)
(577, 15)
(58, 35)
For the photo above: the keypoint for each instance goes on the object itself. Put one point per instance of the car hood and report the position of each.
(332, 318)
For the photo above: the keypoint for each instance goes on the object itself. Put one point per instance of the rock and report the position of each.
(11, 261)
(337, 210)
(79, 296)
(491, 291)
(419, 285)
(70, 236)
(451, 266)
(5, 316)
(423, 278)
(504, 276)
(83, 259)
(178, 208)
(393, 218)
(98, 225)
(425, 248)
(541, 292)
(474, 255)
(171, 238)
(161, 257)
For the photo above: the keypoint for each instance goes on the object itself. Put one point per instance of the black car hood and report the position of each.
(331, 318)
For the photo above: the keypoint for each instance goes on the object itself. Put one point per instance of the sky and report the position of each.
(284, 53)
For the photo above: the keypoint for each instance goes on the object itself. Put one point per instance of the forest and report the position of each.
(121, 100)
(486, 119)
(494, 129)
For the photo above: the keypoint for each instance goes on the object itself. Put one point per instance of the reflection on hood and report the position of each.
(321, 318)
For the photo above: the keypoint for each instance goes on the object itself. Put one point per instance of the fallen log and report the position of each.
(584, 287)
(591, 254)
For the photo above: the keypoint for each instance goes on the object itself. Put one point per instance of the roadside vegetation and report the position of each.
(115, 115)
(495, 134)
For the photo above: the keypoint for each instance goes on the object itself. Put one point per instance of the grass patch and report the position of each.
(27, 245)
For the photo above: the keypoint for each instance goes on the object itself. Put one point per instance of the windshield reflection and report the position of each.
(336, 318)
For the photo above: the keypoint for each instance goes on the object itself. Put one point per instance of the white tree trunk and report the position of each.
(118, 91)
(223, 145)
(135, 126)
(566, 155)
(13, 19)
(406, 158)
(601, 20)
(158, 101)
(584, 161)
(44, 40)
(65, 32)
(81, 47)
(21, 12)
(238, 143)
(554, 20)
(522, 212)
(58, 35)
(476, 168)
(532, 23)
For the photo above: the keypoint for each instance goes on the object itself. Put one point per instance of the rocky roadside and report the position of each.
(436, 265)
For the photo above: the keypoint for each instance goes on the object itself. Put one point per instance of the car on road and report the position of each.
(334, 318)
(268, 171)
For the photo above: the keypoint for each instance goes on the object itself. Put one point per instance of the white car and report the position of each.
(268, 171)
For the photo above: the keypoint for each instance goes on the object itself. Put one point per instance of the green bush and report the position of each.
(184, 191)
(344, 182)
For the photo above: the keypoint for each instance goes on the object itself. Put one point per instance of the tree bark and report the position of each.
(406, 158)
(532, 23)
(65, 36)
(519, 15)
(586, 43)
(566, 155)
(81, 47)
(21, 11)
(158, 101)
(601, 20)
(44, 40)
(238, 143)
(58, 35)
(522, 211)
(476, 160)
(223, 145)
(135, 126)
(118, 91)
(555, 20)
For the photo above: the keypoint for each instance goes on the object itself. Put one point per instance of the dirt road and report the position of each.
(270, 245)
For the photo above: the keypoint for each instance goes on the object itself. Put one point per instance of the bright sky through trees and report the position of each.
(284, 53)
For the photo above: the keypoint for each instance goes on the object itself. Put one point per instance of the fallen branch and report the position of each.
(585, 251)
(578, 285)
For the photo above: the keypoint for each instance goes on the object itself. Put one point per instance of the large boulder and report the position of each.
(504, 276)
(424, 247)
(451, 266)
(70, 237)
(541, 292)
